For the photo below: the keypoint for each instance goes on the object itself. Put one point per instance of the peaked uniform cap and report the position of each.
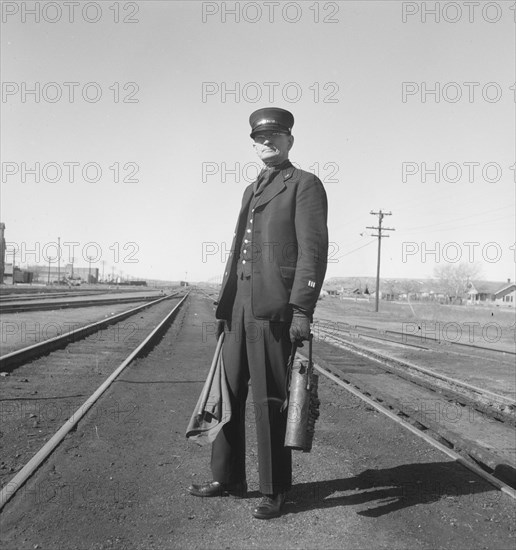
(271, 119)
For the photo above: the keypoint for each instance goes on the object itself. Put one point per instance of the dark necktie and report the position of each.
(265, 176)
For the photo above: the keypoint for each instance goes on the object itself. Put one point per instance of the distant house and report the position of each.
(331, 290)
(486, 292)
(506, 295)
(344, 290)
(390, 295)
(403, 290)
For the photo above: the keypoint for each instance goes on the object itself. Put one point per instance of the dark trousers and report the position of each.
(259, 350)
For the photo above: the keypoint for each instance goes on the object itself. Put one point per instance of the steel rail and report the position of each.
(485, 455)
(367, 336)
(15, 358)
(421, 337)
(45, 306)
(21, 477)
(381, 357)
(46, 295)
(452, 454)
(393, 342)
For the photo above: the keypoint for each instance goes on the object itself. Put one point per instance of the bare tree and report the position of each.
(455, 279)
(409, 286)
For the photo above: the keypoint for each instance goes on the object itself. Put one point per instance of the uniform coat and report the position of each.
(287, 254)
(289, 247)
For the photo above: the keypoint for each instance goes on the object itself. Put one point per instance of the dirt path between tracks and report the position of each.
(120, 481)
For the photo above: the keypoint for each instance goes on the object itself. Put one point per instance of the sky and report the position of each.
(124, 130)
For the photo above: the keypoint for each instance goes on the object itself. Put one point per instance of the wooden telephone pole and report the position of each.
(380, 215)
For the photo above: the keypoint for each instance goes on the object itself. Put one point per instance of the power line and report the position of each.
(425, 229)
(354, 250)
(463, 218)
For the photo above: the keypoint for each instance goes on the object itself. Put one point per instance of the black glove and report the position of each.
(300, 327)
(220, 328)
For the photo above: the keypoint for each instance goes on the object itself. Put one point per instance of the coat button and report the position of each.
(243, 261)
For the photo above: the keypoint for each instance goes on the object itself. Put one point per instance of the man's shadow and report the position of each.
(391, 489)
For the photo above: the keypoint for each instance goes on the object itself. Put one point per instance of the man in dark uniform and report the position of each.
(272, 281)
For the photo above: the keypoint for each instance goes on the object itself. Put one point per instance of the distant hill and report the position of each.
(400, 285)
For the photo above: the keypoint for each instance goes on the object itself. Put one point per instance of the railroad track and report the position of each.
(11, 360)
(500, 404)
(18, 307)
(4, 297)
(13, 297)
(31, 411)
(417, 339)
(350, 366)
(473, 424)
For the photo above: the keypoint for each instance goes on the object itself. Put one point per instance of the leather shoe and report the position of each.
(270, 506)
(216, 489)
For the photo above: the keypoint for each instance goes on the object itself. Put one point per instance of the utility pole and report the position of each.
(48, 276)
(3, 253)
(380, 215)
(58, 260)
(89, 268)
(14, 263)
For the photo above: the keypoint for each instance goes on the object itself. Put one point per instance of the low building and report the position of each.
(51, 273)
(22, 276)
(506, 295)
(481, 292)
(19, 276)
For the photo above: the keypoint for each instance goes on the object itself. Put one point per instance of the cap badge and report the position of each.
(266, 121)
